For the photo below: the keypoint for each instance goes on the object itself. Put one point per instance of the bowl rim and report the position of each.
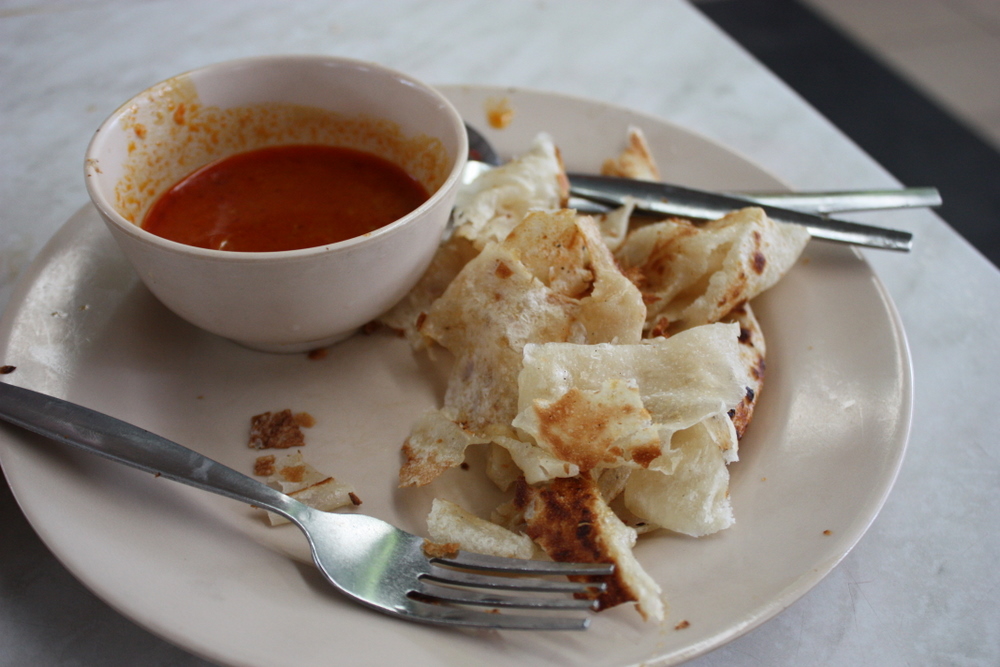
(134, 230)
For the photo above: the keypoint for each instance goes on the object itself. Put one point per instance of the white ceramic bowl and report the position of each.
(291, 300)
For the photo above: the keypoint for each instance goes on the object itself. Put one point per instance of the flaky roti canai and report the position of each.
(609, 370)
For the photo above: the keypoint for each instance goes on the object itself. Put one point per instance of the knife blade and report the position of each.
(830, 202)
(664, 199)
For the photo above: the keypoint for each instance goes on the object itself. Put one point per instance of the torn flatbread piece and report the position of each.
(534, 463)
(551, 280)
(574, 404)
(407, 316)
(436, 443)
(293, 476)
(496, 202)
(695, 274)
(613, 310)
(614, 224)
(694, 497)
(500, 467)
(488, 313)
(449, 523)
(635, 161)
(569, 519)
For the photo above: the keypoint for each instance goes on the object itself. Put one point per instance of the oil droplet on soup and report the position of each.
(284, 198)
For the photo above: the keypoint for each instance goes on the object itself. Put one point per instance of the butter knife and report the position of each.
(664, 199)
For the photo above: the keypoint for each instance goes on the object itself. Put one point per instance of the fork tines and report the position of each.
(443, 586)
(477, 580)
(445, 614)
(484, 563)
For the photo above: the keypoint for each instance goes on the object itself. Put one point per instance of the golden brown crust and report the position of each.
(752, 352)
(561, 520)
(295, 473)
(304, 489)
(581, 431)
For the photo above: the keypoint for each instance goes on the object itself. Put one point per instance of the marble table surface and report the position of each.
(920, 588)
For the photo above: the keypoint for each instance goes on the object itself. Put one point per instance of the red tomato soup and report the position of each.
(284, 198)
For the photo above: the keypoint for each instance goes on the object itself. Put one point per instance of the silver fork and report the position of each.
(367, 559)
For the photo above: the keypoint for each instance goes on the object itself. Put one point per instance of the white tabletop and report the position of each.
(920, 588)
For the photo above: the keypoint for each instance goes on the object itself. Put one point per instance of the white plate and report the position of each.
(205, 573)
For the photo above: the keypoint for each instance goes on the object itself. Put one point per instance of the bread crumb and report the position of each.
(435, 550)
(682, 625)
(264, 465)
(828, 532)
(7, 370)
(277, 430)
(354, 498)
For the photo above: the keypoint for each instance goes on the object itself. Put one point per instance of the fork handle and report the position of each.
(120, 441)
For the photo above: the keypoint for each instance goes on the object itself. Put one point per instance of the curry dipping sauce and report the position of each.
(284, 198)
